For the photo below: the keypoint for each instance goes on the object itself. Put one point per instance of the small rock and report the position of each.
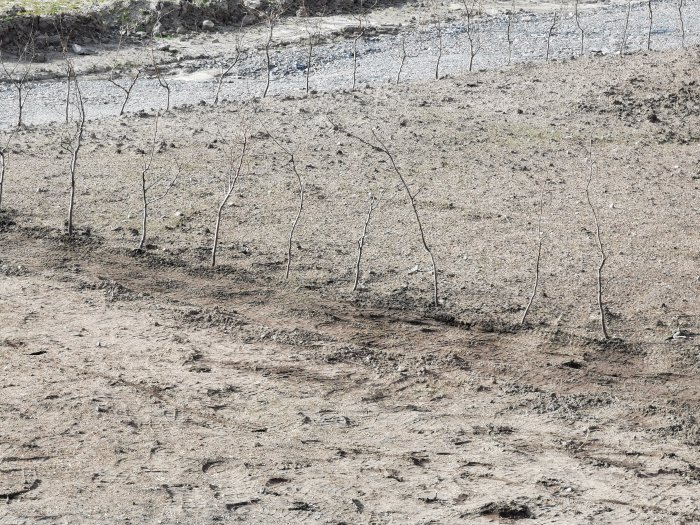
(208, 25)
(80, 50)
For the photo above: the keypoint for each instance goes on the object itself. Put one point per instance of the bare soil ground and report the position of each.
(149, 388)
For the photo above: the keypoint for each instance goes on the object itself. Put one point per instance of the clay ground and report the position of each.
(148, 388)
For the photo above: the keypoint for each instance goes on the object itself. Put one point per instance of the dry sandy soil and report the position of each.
(145, 387)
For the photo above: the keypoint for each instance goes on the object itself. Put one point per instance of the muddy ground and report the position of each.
(144, 387)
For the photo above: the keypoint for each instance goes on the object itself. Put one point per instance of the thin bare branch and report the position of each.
(373, 204)
(233, 175)
(599, 240)
(537, 260)
(623, 43)
(381, 147)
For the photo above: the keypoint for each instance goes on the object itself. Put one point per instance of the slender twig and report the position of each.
(509, 32)
(159, 74)
(438, 27)
(132, 81)
(373, 204)
(71, 143)
(402, 58)
(550, 33)
(146, 187)
(381, 147)
(314, 37)
(680, 15)
(603, 256)
(225, 70)
(21, 81)
(578, 24)
(472, 34)
(624, 32)
(271, 26)
(292, 161)
(537, 260)
(5, 161)
(233, 175)
(651, 23)
(358, 36)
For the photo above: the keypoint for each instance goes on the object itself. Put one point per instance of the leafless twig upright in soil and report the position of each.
(146, 186)
(509, 31)
(272, 14)
(473, 35)
(650, 8)
(603, 256)
(623, 44)
(578, 24)
(162, 81)
(72, 141)
(381, 147)
(234, 173)
(293, 163)
(538, 259)
(402, 58)
(5, 159)
(64, 38)
(361, 28)
(373, 204)
(438, 29)
(552, 27)
(226, 68)
(680, 16)
(132, 79)
(18, 75)
(314, 36)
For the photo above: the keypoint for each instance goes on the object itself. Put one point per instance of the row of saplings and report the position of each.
(154, 189)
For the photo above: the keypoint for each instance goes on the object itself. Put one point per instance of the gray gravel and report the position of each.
(379, 60)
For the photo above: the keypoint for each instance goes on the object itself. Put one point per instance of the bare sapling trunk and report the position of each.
(5, 161)
(300, 209)
(234, 173)
(358, 36)
(126, 89)
(509, 32)
(72, 142)
(473, 35)
(402, 59)
(18, 75)
(147, 186)
(580, 28)
(680, 16)
(623, 44)
(227, 68)
(162, 81)
(412, 199)
(381, 147)
(308, 61)
(599, 241)
(650, 8)
(69, 81)
(131, 80)
(268, 43)
(438, 28)
(552, 28)
(537, 260)
(373, 204)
